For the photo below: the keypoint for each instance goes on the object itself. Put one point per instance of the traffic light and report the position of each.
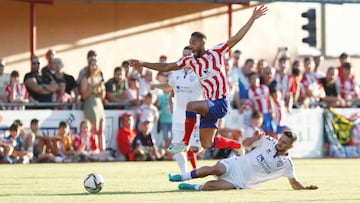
(310, 27)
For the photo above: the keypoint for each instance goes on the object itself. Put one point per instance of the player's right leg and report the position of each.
(192, 108)
(219, 184)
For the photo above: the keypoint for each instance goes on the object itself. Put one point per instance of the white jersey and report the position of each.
(186, 88)
(259, 165)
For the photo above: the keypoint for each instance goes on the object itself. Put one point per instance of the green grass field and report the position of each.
(338, 179)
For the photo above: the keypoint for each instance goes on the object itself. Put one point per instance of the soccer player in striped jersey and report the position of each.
(209, 66)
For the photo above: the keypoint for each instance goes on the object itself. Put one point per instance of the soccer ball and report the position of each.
(93, 183)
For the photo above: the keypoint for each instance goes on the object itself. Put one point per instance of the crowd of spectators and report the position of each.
(263, 92)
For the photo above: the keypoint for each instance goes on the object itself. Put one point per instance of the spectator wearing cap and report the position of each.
(144, 147)
(116, 87)
(4, 81)
(348, 86)
(60, 75)
(133, 90)
(48, 71)
(16, 91)
(126, 136)
(39, 90)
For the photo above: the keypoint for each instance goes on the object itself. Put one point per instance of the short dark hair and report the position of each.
(18, 122)
(199, 35)
(14, 74)
(343, 55)
(256, 114)
(187, 48)
(125, 63)
(119, 68)
(91, 53)
(290, 134)
(34, 121)
(347, 65)
(63, 124)
(13, 127)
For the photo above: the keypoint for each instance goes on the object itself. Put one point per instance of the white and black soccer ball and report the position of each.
(93, 183)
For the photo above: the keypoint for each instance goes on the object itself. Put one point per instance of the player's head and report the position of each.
(257, 118)
(286, 141)
(197, 43)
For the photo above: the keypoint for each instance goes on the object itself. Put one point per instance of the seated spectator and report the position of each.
(28, 140)
(126, 136)
(143, 147)
(19, 154)
(61, 96)
(16, 92)
(86, 145)
(4, 81)
(348, 86)
(43, 144)
(63, 143)
(39, 91)
(116, 87)
(332, 97)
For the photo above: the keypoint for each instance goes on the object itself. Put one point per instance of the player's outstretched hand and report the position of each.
(311, 187)
(258, 134)
(135, 63)
(259, 11)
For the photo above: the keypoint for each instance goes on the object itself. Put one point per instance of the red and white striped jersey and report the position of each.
(348, 87)
(260, 97)
(210, 68)
(284, 84)
(20, 93)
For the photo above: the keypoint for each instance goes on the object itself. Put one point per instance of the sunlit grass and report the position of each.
(338, 179)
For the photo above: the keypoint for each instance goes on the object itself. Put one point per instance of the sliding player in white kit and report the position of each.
(269, 160)
(187, 88)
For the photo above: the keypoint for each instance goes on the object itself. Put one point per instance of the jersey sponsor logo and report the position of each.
(261, 160)
(279, 164)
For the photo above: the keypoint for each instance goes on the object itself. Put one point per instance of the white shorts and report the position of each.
(178, 131)
(234, 173)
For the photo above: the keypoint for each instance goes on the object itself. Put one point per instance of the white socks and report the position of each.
(181, 160)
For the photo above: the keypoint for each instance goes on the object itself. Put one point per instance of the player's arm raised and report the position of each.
(296, 185)
(257, 13)
(163, 67)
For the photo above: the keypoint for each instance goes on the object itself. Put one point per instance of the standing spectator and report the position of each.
(126, 66)
(312, 89)
(92, 90)
(48, 71)
(295, 86)
(16, 91)
(144, 147)
(39, 91)
(260, 96)
(132, 92)
(4, 81)
(126, 136)
(116, 87)
(91, 55)
(257, 120)
(343, 58)
(165, 117)
(318, 59)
